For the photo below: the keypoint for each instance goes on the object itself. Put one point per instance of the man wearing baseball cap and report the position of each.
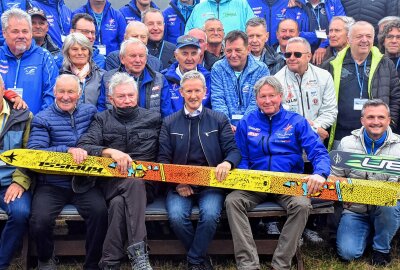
(187, 55)
(40, 28)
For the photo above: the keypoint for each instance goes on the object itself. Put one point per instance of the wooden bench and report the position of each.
(67, 245)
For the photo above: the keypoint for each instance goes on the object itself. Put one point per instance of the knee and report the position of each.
(210, 214)
(19, 215)
(300, 206)
(177, 217)
(233, 202)
(347, 252)
(40, 222)
(116, 204)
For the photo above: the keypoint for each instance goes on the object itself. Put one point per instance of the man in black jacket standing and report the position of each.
(124, 133)
(196, 135)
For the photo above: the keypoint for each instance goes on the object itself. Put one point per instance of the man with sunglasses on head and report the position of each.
(308, 90)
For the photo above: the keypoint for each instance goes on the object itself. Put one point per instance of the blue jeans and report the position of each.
(196, 242)
(17, 224)
(379, 225)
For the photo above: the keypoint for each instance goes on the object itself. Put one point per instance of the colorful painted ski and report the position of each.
(339, 189)
(366, 163)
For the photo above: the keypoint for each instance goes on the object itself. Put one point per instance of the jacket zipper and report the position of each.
(301, 94)
(212, 131)
(188, 146)
(202, 148)
(269, 136)
(177, 134)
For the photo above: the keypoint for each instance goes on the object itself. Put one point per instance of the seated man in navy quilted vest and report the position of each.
(14, 200)
(58, 128)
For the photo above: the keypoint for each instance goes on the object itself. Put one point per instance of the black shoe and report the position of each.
(380, 259)
(201, 266)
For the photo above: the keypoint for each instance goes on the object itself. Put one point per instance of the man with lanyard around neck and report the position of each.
(110, 24)
(134, 9)
(59, 18)
(162, 49)
(360, 72)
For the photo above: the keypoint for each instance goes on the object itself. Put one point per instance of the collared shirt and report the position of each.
(195, 113)
(179, 73)
(4, 114)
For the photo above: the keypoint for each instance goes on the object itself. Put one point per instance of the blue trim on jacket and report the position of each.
(131, 12)
(276, 143)
(174, 85)
(37, 75)
(57, 130)
(59, 18)
(112, 26)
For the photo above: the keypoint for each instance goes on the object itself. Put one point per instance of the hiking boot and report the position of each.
(272, 228)
(50, 264)
(312, 236)
(380, 258)
(138, 256)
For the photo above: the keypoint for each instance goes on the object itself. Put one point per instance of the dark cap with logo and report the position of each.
(37, 12)
(187, 40)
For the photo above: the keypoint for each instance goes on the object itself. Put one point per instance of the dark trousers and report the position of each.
(126, 216)
(47, 203)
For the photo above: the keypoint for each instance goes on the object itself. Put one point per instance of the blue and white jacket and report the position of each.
(56, 130)
(35, 72)
(175, 18)
(232, 13)
(276, 143)
(232, 95)
(174, 85)
(131, 12)
(7, 4)
(58, 16)
(112, 29)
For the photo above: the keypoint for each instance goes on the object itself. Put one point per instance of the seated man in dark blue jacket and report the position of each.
(196, 135)
(273, 139)
(58, 128)
(187, 54)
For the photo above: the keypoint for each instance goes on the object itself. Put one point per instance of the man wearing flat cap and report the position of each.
(187, 55)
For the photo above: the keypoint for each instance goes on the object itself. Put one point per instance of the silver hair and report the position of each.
(256, 21)
(151, 10)
(192, 75)
(133, 41)
(178, 50)
(299, 40)
(268, 80)
(348, 21)
(362, 24)
(120, 78)
(72, 76)
(70, 40)
(16, 13)
(388, 19)
(212, 19)
(135, 24)
(374, 103)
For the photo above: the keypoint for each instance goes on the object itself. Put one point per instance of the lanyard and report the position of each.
(162, 48)
(317, 16)
(360, 80)
(83, 86)
(98, 25)
(398, 62)
(17, 74)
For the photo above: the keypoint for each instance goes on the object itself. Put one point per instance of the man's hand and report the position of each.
(318, 56)
(13, 192)
(222, 170)
(19, 103)
(78, 154)
(314, 183)
(184, 190)
(292, 3)
(123, 160)
(233, 128)
(323, 134)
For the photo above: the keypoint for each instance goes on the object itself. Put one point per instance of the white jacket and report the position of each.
(313, 95)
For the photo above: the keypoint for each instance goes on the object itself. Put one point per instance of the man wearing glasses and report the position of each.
(308, 90)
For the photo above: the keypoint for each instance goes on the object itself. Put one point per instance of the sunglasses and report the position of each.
(296, 54)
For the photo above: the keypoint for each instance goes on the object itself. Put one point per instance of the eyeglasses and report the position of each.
(296, 54)
(393, 36)
(86, 32)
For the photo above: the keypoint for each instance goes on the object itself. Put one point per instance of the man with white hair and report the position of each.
(27, 69)
(107, 137)
(360, 72)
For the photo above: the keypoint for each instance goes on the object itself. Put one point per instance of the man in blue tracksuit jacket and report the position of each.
(110, 25)
(131, 11)
(7, 4)
(27, 69)
(175, 18)
(59, 18)
(273, 139)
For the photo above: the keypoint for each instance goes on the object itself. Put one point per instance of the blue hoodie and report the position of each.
(175, 18)
(174, 85)
(35, 72)
(7, 4)
(112, 29)
(131, 12)
(58, 16)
